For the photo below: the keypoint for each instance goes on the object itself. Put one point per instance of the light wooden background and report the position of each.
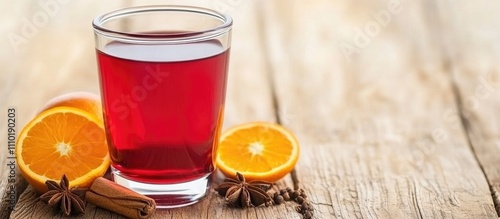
(400, 123)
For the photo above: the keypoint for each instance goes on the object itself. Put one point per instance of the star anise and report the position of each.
(68, 200)
(239, 193)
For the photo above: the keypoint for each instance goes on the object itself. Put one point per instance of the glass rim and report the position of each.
(209, 33)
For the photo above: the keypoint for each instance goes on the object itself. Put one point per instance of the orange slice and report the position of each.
(62, 140)
(258, 150)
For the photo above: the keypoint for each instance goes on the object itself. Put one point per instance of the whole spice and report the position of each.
(69, 200)
(116, 198)
(239, 193)
(299, 200)
(286, 196)
(278, 199)
(294, 195)
(305, 207)
(298, 195)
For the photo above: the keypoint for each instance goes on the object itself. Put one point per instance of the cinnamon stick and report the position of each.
(116, 198)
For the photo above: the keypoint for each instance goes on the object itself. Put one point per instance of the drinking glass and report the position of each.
(163, 73)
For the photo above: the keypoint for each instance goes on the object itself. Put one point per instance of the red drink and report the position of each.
(163, 108)
(163, 76)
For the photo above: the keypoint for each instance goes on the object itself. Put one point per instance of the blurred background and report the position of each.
(48, 48)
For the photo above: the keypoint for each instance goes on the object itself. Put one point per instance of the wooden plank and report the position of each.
(374, 142)
(472, 33)
(373, 151)
(47, 51)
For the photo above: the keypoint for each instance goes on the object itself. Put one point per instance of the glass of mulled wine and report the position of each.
(163, 73)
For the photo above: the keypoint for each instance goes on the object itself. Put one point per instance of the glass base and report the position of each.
(168, 195)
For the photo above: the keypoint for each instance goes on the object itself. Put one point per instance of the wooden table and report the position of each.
(395, 103)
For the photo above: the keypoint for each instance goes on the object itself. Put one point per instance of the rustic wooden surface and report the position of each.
(398, 123)
(473, 50)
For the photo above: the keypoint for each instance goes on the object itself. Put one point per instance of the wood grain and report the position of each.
(472, 37)
(393, 101)
(374, 141)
